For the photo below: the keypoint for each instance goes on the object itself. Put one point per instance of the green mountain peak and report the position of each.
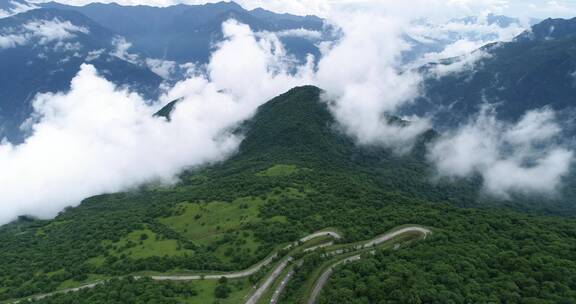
(295, 125)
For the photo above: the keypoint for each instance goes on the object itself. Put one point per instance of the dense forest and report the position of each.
(121, 291)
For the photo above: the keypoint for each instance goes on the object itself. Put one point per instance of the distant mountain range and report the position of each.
(186, 33)
(535, 70)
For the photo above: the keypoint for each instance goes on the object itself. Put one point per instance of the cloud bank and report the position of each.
(98, 138)
(361, 74)
(41, 32)
(525, 157)
(15, 7)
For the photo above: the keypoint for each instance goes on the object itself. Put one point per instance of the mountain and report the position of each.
(535, 70)
(294, 174)
(187, 33)
(550, 29)
(43, 50)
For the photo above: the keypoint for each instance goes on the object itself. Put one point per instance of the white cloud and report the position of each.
(301, 33)
(511, 158)
(361, 73)
(16, 8)
(163, 68)
(121, 47)
(94, 54)
(90, 141)
(44, 31)
(459, 64)
(52, 30)
(11, 41)
(67, 46)
(168, 70)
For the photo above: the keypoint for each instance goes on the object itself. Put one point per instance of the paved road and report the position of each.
(333, 234)
(325, 276)
(281, 287)
(268, 282)
(46, 295)
(230, 275)
(386, 237)
(319, 246)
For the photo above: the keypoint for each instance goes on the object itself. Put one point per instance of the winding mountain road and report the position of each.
(323, 279)
(390, 235)
(257, 295)
(250, 271)
(230, 275)
(330, 233)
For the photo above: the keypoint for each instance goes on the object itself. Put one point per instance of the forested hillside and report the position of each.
(294, 174)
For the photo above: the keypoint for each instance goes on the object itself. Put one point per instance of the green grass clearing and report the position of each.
(142, 244)
(205, 288)
(279, 170)
(205, 222)
(238, 245)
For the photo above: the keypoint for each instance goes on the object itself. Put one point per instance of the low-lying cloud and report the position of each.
(98, 138)
(16, 7)
(39, 31)
(525, 157)
(458, 64)
(361, 73)
(300, 33)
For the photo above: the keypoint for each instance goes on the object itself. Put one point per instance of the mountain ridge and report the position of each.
(185, 33)
(524, 74)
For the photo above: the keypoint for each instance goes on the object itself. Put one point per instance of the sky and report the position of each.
(514, 8)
